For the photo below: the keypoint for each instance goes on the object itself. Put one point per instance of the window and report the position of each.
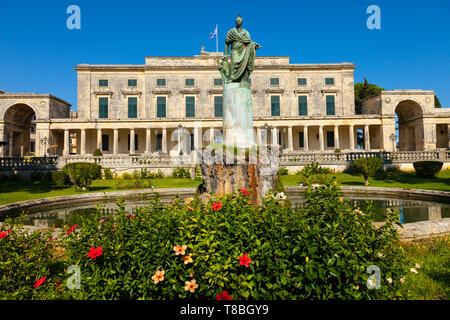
(301, 139)
(329, 80)
(301, 81)
(136, 147)
(274, 81)
(161, 107)
(161, 82)
(32, 146)
(218, 82)
(189, 82)
(190, 107)
(132, 82)
(218, 106)
(103, 108)
(158, 146)
(275, 105)
(302, 105)
(105, 142)
(132, 107)
(32, 129)
(103, 83)
(330, 139)
(330, 106)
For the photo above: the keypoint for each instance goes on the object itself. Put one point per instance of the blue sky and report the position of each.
(411, 51)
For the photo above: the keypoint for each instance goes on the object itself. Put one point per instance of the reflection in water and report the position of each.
(410, 210)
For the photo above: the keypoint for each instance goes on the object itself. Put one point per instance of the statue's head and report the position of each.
(238, 21)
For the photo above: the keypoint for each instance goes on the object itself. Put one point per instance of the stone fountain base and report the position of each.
(225, 172)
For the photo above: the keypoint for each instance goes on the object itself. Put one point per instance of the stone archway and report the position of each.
(17, 129)
(410, 126)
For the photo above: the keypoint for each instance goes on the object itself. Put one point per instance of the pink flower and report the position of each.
(245, 260)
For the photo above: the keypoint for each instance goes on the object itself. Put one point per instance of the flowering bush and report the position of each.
(222, 249)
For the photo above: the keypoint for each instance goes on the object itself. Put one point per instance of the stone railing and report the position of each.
(36, 163)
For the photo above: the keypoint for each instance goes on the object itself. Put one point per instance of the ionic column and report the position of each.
(116, 141)
(132, 141)
(11, 144)
(99, 139)
(306, 138)
(66, 143)
(366, 137)
(274, 136)
(148, 141)
(448, 135)
(321, 138)
(83, 142)
(352, 137)
(211, 135)
(336, 137)
(164, 140)
(258, 136)
(290, 140)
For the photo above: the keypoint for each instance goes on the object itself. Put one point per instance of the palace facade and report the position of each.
(140, 109)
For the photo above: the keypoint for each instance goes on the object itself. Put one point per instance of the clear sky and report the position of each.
(410, 51)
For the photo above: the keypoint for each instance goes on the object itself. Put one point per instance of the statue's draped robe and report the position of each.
(242, 54)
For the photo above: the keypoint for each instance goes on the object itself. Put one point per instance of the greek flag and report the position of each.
(213, 33)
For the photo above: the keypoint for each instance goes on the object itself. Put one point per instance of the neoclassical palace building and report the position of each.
(139, 109)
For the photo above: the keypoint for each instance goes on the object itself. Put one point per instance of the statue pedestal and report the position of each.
(224, 172)
(238, 115)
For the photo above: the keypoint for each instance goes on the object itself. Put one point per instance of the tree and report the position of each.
(364, 90)
(437, 103)
(81, 174)
(367, 167)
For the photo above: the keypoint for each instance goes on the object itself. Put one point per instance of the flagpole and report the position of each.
(217, 39)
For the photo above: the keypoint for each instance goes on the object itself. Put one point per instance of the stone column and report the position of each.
(211, 136)
(366, 137)
(351, 137)
(116, 141)
(148, 141)
(66, 150)
(83, 142)
(336, 137)
(290, 139)
(258, 136)
(321, 146)
(132, 146)
(164, 140)
(10, 145)
(448, 135)
(274, 136)
(305, 138)
(99, 139)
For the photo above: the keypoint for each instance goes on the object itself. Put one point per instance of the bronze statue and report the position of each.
(242, 54)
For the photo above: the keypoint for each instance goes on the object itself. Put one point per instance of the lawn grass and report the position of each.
(432, 281)
(14, 191)
(407, 180)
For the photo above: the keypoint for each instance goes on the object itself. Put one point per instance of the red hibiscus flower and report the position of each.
(95, 252)
(216, 206)
(245, 260)
(130, 216)
(244, 191)
(3, 234)
(71, 228)
(39, 282)
(223, 296)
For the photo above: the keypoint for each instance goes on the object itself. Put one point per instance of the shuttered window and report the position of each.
(330, 106)
(274, 81)
(103, 108)
(161, 82)
(190, 82)
(161, 107)
(103, 83)
(302, 105)
(132, 82)
(132, 107)
(218, 106)
(218, 82)
(329, 80)
(301, 81)
(330, 138)
(190, 107)
(275, 105)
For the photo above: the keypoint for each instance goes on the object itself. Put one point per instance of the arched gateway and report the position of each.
(410, 126)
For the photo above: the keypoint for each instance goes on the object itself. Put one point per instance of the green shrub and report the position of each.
(320, 252)
(427, 169)
(389, 172)
(337, 150)
(181, 173)
(36, 175)
(97, 153)
(108, 174)
(283, 171)
(312, 169)
(126, 175)
(367, 167)
(60, 178)
(81, 174)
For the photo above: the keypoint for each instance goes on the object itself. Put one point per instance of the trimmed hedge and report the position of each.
(81, 174)
(427, 169)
